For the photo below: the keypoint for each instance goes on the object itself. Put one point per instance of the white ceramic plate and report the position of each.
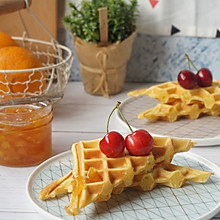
(192, 201)
(204, 130)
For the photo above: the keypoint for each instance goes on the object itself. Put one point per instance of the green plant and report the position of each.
(83, 20)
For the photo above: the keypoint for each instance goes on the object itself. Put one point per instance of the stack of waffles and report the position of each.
(175, 101)
(95, 177)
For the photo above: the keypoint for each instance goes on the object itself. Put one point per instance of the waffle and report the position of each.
(115, 174)
(112, 175)
(171, 112)
(57, 187)
(164, 148)
(170, 92)
(171, 175)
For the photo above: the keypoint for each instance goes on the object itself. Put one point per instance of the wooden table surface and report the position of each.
(79, 116)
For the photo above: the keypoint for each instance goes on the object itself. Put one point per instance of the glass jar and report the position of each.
(25, 134)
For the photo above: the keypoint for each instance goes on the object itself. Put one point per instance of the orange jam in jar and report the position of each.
(25, 134)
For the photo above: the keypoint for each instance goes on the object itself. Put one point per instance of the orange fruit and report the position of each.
(18, 58)
(6, 40)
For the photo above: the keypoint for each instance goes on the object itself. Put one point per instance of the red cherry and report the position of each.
(204, 77)
(187, 79)
(112, 144)
(139, 143)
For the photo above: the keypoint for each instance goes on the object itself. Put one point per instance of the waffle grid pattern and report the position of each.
(201, 128)
(189, 202)
(116, 173)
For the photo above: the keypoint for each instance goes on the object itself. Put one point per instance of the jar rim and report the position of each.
(16, 117)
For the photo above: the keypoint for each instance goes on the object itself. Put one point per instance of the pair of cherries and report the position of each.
(138, 143)
(189, 80)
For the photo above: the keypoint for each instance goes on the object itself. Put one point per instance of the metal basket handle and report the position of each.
(8, 6)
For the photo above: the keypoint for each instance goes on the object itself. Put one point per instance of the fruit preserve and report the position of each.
(25, 134)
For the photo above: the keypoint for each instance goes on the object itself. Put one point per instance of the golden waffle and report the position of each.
(171, 112)
(115, 173)
(170, 92)
(169, 175)
(164, 149)
(59, 186)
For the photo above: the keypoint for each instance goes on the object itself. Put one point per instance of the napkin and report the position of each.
(196, 18)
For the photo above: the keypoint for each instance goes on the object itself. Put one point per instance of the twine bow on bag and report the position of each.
(99, 73)
(107, 80)
(102, 58)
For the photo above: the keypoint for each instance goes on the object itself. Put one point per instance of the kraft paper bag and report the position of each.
(103, 68)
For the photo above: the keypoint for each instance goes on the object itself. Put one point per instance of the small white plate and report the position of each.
(192, 201)
(204, 130)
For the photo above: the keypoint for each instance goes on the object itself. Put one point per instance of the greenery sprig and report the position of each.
(83, 20)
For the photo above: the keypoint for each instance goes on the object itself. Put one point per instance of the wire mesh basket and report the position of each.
(48, 81)
(37, 84)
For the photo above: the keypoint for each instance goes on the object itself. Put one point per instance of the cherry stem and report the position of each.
(189, 61)
(123, 117)
(107, 130)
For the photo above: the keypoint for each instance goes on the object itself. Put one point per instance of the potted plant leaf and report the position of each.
(103, 33)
